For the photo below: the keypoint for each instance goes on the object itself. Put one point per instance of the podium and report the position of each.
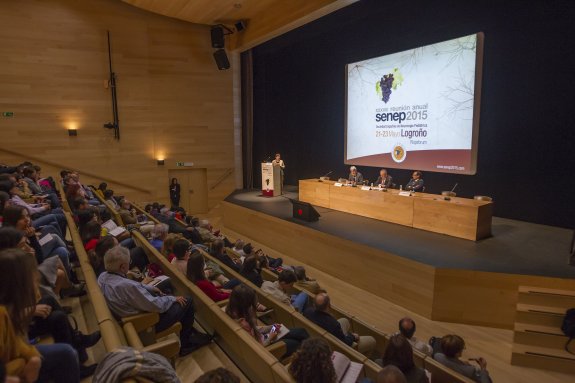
(271, 180)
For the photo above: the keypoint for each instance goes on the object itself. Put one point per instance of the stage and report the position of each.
(515, 247)
(438, 276)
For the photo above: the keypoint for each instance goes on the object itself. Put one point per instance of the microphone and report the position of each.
(325, 176)
(448, 198)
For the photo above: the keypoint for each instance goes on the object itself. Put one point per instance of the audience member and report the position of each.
(312, 363)
(242, 307)
(280, 288)
(219, 375)
(390, 374)
(126, 297)
(181, 252)
(56, 362)
(130, 217)
(96, 256)
(452, 347)
(41, 213)
(305, 283)
(337, 327)
(167, 249)
(18, 217)
(400, 354)
(159, 233)
(196, 274)
(407, 329)
(239, 247)
(218, 251)
(251, 270)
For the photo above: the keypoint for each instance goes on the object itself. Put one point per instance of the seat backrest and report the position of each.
(443, 374)
(362, 328)
(111, 334)
(250, 356)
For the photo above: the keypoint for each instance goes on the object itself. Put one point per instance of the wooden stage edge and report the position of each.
(449, 295)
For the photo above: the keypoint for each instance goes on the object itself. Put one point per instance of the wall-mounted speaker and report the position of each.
(217, 37)
(240, 25)
(222, 59)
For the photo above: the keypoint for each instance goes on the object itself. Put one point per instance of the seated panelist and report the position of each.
(384, 180)
(416, 182)
(355, 177)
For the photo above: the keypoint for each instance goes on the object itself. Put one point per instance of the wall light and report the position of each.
(160, 161)
(72, 132)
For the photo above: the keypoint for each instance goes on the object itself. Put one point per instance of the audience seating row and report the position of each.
(439, 373)
(112, 335)
(259, 364)
(288, 316)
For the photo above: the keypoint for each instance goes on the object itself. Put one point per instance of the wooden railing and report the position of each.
(42, 160)
(222, 178)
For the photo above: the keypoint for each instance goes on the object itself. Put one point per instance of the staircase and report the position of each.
(538, 341)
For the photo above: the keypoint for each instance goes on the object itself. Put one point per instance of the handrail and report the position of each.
(61, 166)
(148, 215)
(117, 217)
(292, 316)
(226, 174)
(103, 315)
(250, 356)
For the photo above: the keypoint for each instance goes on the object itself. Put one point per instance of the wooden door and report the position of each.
(193, 189)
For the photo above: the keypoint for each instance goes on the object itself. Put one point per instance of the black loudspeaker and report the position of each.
(240, 26)
(222, 59)
(304, 211)
(217, 37)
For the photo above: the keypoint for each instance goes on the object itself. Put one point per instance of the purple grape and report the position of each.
(385, 84)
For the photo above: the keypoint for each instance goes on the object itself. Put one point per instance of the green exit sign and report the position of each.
(7, 114)
(179, 164)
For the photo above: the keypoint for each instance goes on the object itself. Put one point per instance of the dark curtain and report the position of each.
(247, 117)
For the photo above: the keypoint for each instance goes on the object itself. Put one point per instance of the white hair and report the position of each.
(160, 230)
(353, 168)
(115, 257)
(204, 223)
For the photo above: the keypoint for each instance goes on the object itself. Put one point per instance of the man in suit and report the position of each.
(415, 183)
(384, 180)
(337, 327)
(355, 177)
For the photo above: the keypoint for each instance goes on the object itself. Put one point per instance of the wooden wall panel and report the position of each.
(373, 270)
(173, 101)
(448, 295)
(483, 298)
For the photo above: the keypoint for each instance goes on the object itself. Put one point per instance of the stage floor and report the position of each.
(516, 247)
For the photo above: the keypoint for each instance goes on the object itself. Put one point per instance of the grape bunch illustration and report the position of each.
(387, 83)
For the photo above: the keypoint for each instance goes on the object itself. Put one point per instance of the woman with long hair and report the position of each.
(312, 363)
(197, 274)
(175, 192)
(49, 317)
(55, 263)
(18, 296)
(251, 270)
(400, 354)
(242, 307)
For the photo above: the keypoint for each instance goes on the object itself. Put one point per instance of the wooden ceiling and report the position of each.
(265, 19)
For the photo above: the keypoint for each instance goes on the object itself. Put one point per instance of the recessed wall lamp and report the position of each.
(160, 161)
(72, 132)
